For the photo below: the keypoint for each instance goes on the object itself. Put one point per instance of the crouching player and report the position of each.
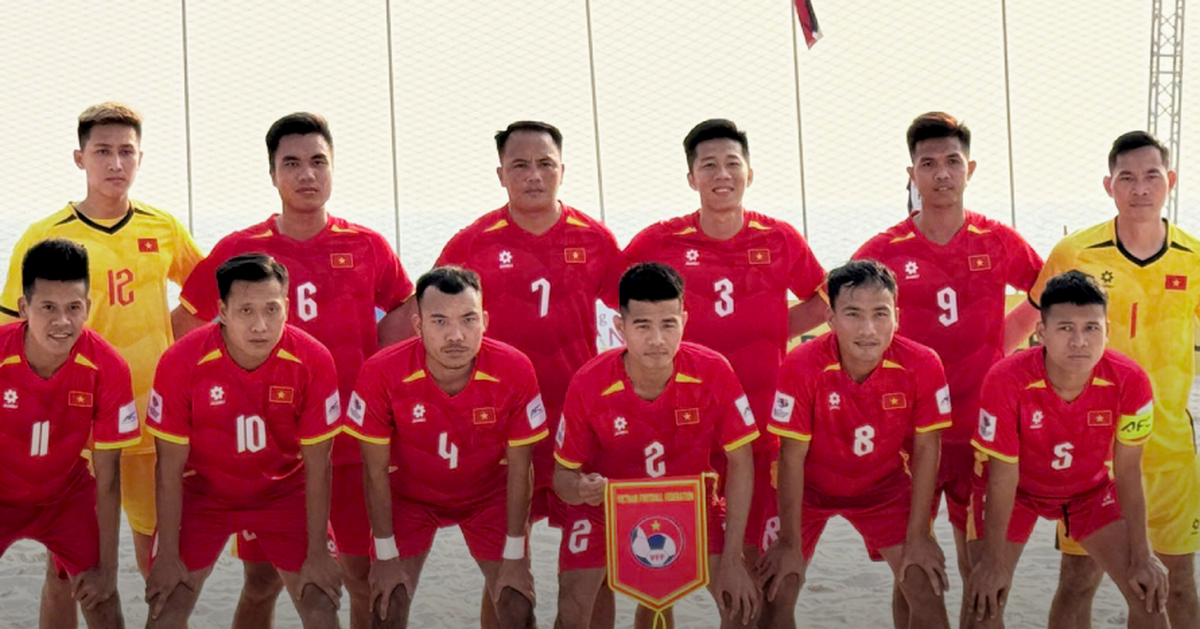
(451, 411)
(244, 412)
(847, 405)
(656, 407)
(1047, 423)
(65, 390)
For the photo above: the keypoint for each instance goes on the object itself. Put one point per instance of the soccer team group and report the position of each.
(276, 405)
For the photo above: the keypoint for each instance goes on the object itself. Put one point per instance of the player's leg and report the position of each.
(512, 609)
(352, 530)
(1020, 527)
(961, 471)
(510, 595)
(58, 609)
(1173, 507)
(762, 525)
(137, 499)
(925, 607)
(1011, 557)
(181, 601)
(581, 565)
(69, 530)
(1183, 606)
(260, 589)
(1109, 548)
(316, 609)
(399, 603)
(576, 593)
(1078, 579)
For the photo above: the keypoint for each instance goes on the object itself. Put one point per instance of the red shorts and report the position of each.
(584, 543)
(545, 504)
(485, 527)
(1080, 515)
(955, 479)
(279, 529)
(67, 527)
(347, 518)
(880, 517)
(762, 525)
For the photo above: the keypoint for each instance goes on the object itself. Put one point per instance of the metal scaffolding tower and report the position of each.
(1166, 84)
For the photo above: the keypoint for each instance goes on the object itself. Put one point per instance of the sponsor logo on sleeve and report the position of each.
(358, 409)
(155, 408)
(536, 412)
(127, 418)
(943, 400)
(987, 425)
(561, 434)
(781, 410)
(743, 407)
(333, 408)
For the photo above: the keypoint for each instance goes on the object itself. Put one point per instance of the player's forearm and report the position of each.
(1018, 325)
(376, 459)
(998, 505)
(396, 325)
(1127, 467)
(806, 316)
(791, 490)
(566, 485)
(520, 488)
(169, 496)
(927, 449)
(107, 466)
(183, 321)
(318, 483)
(739, 487)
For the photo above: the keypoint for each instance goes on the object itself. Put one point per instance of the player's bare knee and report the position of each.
(918, 592)
(317, 610)
(262, 582)
(513, 610)
(105, 615)
(1079, 576)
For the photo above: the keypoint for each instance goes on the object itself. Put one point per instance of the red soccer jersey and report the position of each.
(541, 291)
(448, 451)
(858, 432)
(46, 424)
(1063, 449)
(244, 428)
(952, 298)
(336, 279)
(737, 293)
(608, 429)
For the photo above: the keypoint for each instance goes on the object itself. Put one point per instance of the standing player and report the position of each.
(953, 267)
(1057, 424)
(847, 405)
(340, 273)
(456, 416)
(1145, 265)
(134, 249)
(66, 390)
(740, 266)
(627, 417)
(244, 413)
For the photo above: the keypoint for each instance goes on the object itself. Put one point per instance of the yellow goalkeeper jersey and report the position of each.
(1152, 310)
(130, 260)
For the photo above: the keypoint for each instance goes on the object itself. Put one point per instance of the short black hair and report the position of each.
(249, 267)
(449, 279)
(649, 281)
(937, 124)
(530, 126)
(1073, 287)
(714, 129)
(1133, 141)
(299, 123)
(54, 260)
(857, 274)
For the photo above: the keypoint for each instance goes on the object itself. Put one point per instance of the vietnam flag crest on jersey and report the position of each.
(657, 539)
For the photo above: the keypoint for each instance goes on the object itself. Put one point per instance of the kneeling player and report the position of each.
(451, 411)
(846, 406)
(1056, 410)
(64, 387)
(244, 412)
(629, 415)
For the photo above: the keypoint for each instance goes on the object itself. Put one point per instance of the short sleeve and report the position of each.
(115, 424)
(643, 247)
(1137, 409)
(996, 433)
(321, 412)
(457, 251)
(393, 287)
(931, 411)
(1023, 264)
(575, 442)
(169, 411)
(200, 296)
(1061, 260)
(806, 275)
(735, 421)
(527, 413)
(187, 254)
(369, 412)
(791, 414)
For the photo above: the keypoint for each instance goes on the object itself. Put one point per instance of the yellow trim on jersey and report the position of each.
(933, 427)
(730, 447)
(887, 364)
(516, 443)
(571, 220)
(909, 236)
(1101, 382)
(263, 234)
(571, 465)
(11, 360)
(479, 375)
(619, 385)
(116, 445)
(686, 379)
(975, 230)
(209, 357)
(833, 367)
(382, 441)
(757, 225)
(414, 376)
(790, 434)
(183, 441)
(685, 231)
(342, 230)
(312, 441)
(80, 359)
(1040, 384)
(993, 453)
(187, 306)
(501, 224)
(286, 355)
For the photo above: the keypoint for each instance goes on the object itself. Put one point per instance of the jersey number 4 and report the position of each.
(448, 450)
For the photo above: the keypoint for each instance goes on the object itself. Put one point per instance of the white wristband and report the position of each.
(514, 548)
(385, 548)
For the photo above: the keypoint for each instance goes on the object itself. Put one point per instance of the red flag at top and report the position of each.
(808, 22)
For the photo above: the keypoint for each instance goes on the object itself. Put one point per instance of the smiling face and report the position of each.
(720, 173)
(252, 318)
(531, 170)
(55, 312)
(303, 172)
(110, 157)
(1074, 336)
(864, 320)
